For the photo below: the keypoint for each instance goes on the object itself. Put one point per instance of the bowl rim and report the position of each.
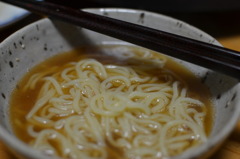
(18, 146)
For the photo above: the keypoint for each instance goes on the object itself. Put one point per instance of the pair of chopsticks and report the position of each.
(207, 55)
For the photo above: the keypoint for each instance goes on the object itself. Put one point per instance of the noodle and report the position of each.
(88, 108)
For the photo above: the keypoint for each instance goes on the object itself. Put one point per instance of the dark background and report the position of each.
(219, 18)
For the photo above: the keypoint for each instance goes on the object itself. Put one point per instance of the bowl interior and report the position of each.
(45, 38)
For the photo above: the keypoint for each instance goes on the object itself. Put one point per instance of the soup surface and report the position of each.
(111, 102)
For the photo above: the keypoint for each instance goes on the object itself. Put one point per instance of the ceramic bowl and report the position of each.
(45, 38)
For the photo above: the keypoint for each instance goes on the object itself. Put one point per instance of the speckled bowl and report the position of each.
(45, 38)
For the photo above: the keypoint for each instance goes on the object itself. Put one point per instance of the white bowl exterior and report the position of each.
(45, 38)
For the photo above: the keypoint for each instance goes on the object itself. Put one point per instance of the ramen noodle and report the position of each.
(113, 102)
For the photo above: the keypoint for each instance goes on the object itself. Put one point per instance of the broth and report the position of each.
(22, 101)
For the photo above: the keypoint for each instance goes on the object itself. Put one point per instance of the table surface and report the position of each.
(224, 26)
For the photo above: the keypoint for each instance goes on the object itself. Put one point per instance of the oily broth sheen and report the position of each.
(22, 101)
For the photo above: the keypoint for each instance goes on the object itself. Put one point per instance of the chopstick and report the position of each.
(204, 54)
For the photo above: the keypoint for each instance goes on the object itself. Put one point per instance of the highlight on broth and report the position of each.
(125, 104)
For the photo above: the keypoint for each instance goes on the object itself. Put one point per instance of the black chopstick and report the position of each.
(207, 55)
